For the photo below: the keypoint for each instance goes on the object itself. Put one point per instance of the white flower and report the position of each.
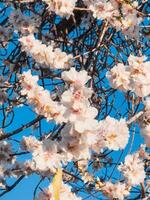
(65, 193)
(78, 109)
(137, 65)
(30, 143)
(47, 55)
(113, 131)
(102, 9)
(141, 85)
(41, 99)
(135, 76)
(76, 145)
(133, 169)
(77, 79)
(139, 75)
(64, 8)
(115, 191)
(46, 157)
(124, 17)
(119, 77)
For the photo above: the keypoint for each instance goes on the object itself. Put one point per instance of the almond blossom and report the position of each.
(75, 99)
(46, 55)
(146, 134)
(75, 78)
(113, 131)
(139, 75)
(133, 169)
(120, 14)
(115, 191)
(101, 9)
(81, 115)
(41, 99)
(7, 161)
(64, 8)
(135, 76)
(45, 156)
(65, 193)
(119, 77)
(76, 145)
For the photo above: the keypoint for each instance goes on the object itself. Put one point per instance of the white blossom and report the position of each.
(45, 156)
(113, 131)
(119, 77)
(75, 78)
(133, 169)
(64, 8)
(115, 191)
(139, 75)
(102, 9)
(135, 76)
(41, 99)
(65, 193)
(47, 55)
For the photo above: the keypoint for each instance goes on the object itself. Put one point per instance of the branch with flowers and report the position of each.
(74, 98)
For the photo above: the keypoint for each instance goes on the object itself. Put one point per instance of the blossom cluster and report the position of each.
(41, 99)
(46, 55)
(116, 191)
(135, 76)
(133, 169)
(82, 132)
(63, 8)
(65, 193)
(45, 155)
(120, 14)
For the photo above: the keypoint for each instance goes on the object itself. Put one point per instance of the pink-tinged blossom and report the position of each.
(77, 145)
(30, 143)
(135, 76)
(78, 109)
(124, 17)
(116, 191)
(75, 78)
(119, 77)
(133, 169)
(113, 131)
(45, 156)
(139, 75)
(46, 55)
(63, 8)
(41, 99)
(102, 9)
(65, 193)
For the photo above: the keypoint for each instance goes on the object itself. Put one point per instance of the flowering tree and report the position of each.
(80, 70)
